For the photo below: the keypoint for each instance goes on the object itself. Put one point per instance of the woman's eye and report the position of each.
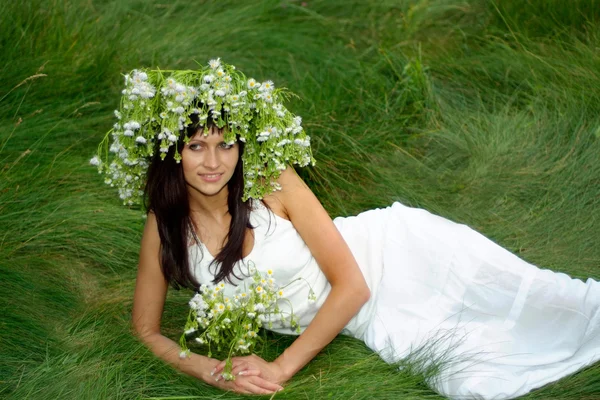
(194, 146)
(226, 146)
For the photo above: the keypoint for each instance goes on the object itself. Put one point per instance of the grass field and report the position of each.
(485, 112)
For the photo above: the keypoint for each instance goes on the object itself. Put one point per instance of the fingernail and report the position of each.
(212, 372)
(242, 373)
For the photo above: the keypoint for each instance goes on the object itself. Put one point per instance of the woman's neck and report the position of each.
(214, 207)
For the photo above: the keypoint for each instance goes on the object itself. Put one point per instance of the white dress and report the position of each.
(499, 326)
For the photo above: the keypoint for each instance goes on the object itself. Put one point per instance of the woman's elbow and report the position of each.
(359, 293)
(142, 331)
(365, 294)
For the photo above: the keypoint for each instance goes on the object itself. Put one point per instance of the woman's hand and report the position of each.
(249, 382)
(253, 365)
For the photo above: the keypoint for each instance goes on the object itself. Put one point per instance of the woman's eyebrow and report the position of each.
(204, 141)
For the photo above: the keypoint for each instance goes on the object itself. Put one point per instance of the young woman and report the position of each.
(399, 278)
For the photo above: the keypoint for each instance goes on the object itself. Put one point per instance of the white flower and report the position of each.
(298, 120)
(267, 86)
(268, 97)
(172, 138)
(161, 136)
(143, 76)
(179, 98)
(280, 166)
(179, 88)
(184, 353)
(148, 92)
(179, 110)
(200, 340)
(251, 315)
(259, 307)
(95, 161)
(164, 149)
(128, 132)
(209, 78)
(220, 307)
(215, 63)
(191, 330)
(204, 87)
(117, 114)
(140, 140)
(265, 134)
(220, 93)
(252, 84)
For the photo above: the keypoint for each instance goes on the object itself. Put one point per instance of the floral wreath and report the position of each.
(156, 108)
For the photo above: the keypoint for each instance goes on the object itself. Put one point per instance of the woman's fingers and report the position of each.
(242, 366)
(218, 369)
(253, 385)
(263, 384)
(244, 372)
(236, 361)
(248, 372)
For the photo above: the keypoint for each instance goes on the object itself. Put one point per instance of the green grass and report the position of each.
(485, 112)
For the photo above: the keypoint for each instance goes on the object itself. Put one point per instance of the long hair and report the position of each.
(166, 195)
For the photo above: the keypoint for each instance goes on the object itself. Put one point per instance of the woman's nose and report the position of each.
(211, 159)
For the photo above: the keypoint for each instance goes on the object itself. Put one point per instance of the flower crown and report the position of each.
(155, 110)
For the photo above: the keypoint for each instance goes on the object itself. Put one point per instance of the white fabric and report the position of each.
(500, 326)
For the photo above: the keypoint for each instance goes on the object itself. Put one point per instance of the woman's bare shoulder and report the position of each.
(291, 184)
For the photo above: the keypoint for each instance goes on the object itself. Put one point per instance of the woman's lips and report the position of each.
(210, 177)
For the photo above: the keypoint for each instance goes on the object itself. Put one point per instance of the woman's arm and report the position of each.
(349, 291)
(148, 302)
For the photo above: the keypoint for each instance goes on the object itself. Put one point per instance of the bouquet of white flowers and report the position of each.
(233, 322)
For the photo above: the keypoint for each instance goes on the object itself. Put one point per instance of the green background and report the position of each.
(485, 112)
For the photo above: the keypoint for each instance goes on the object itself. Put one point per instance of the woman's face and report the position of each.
(208, 162)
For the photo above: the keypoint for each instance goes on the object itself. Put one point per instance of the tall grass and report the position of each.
(485, 112)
